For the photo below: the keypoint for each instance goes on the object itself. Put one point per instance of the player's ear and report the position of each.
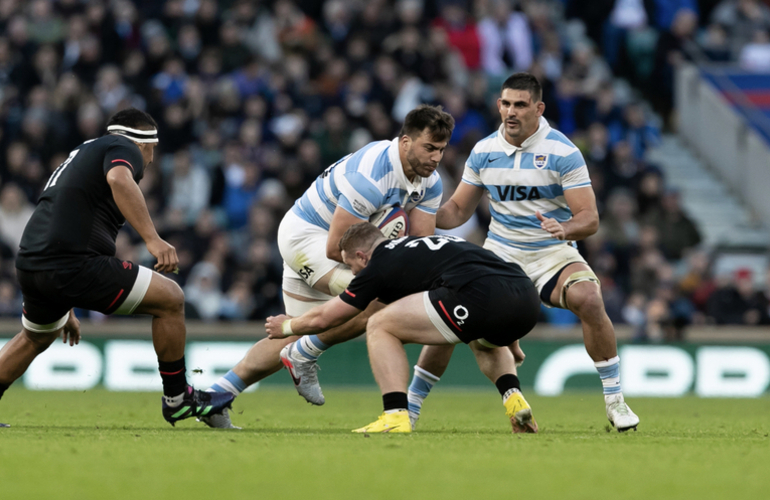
(540, 108)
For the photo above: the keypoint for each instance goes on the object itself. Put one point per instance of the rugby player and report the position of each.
(67, 260)
(441, 290)
(541, 202)
(382, 174)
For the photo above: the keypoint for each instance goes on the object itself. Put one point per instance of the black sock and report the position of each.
(394, 401)
(173, 375)
(3, 388)
(507, 382)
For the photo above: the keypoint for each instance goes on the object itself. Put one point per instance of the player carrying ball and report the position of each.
(441, 290)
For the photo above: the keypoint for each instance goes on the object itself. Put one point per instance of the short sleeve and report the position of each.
(359, 195)
(573, 171)
(126, 154)
(364, 288)
(471, 172)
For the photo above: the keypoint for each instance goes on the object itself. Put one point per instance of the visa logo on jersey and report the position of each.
(517, 193)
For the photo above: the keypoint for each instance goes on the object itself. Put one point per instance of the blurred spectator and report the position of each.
(677, 232)
(15, 211)
(741, 19)
(202, 291)
(669, 54)
(505, 38)
(189, 186)
(462, 33)
(735, 302)
(755, 56)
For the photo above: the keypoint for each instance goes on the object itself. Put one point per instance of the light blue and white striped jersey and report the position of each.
(520, 181)
(365, 182)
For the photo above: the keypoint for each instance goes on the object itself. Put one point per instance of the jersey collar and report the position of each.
(398, 169)
(543, 129)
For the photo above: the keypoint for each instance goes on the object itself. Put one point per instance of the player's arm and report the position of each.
(585, 216)
(460, 206)
(421, 223)
(130, 201)
(341, 221)
(319, 319)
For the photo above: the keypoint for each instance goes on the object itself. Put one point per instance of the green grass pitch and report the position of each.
(103, 445)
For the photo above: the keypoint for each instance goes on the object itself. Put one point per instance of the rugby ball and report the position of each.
(393, 222)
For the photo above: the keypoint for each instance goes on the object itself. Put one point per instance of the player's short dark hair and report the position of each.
(358, 237)
(133, 118)
(439, 123)
(524, 81)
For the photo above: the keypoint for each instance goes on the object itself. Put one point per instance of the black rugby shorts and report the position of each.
(494, 309)
(101, 284)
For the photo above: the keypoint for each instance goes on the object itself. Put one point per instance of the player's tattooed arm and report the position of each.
(321, 318)
(460, 206)
(130, 201)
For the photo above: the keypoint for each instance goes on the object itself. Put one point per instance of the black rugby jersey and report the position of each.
(76, 216)
(413, 264)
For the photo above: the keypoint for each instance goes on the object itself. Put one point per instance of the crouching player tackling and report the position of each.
(441, 290)
(67, 259)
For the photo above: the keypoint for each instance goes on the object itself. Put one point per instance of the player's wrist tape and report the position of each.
(286, 328)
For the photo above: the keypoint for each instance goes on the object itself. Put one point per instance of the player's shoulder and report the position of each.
(488, 144)
(558, 144)
(372, 159)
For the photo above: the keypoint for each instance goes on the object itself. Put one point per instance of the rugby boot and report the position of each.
(619, 414)
(5, 425)
(397, 421)
(520, 413)
(303, 372)
(218, 420)
(197, 404)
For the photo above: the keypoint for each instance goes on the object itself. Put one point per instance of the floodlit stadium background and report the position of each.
(667, 99)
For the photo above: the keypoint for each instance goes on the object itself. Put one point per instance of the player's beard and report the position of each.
(418, 167)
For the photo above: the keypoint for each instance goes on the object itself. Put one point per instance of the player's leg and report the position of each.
(43, 320)
(578, 290)
(430, 366)
(153, 294)
(403, 322)
(499, 365)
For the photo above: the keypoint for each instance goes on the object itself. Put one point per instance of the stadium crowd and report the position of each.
(254, 99)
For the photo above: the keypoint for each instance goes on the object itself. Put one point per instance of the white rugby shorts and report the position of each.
(539, 265)
(303, 249)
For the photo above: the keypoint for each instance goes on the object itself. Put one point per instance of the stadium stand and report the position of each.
(254, 99)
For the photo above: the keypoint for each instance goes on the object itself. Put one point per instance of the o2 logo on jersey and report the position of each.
(461, 313)
(540, 161)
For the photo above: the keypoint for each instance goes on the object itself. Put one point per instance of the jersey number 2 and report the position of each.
(57, 173)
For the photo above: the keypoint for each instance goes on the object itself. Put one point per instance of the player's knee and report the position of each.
(374, 323)
(585, 299)
(174, 300)
(41, 341)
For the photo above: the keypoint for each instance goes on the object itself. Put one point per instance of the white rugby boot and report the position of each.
(219, 420)
(303, 372)
(619, 414)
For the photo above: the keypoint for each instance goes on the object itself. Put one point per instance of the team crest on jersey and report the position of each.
(541, 161)
(417, 195)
